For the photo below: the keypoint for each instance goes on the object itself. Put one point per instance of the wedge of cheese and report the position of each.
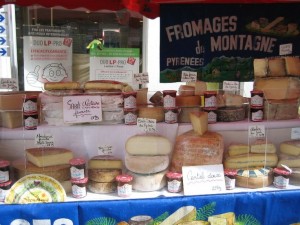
(199, 122)
(183, 214)
(228, 218)
(291, 147)
(43, 157)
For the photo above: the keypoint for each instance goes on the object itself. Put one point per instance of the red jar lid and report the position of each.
(256, 92)
(30, 97)
(77, 161)
(230, 172)
(174, 175)
(169, 91)
(281, 171)
(133, 93)
(124, 178)
(79, 181)
(4, 163)
(5, 184)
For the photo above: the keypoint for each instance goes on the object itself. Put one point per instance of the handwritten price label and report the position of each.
(295, 133)
(105, 150)
(188, 76)
(257, 131)
(231, 85)
(141, 78)
(9, 83)
(146, 125)
(44, 140)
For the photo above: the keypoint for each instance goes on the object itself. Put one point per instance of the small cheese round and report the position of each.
(254, 178)
(149, 112)
(188, 100)
(102, 187)
(186, 90)
(103, 175)
(231, 114)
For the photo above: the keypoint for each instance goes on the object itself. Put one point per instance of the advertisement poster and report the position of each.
(220, 41)
(118, 64)
(47, 57)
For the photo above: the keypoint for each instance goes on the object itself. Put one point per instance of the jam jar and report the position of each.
(174, 182)
(230, 177)
(79, 187)
(257, 98)
(169, 98)
(129, 100)
(281, 177)
(210, 99)
(4, 188)
(171, 115)
(30, 104)
(124, 185)
(77, 168)
(4, 171)
(130, 116)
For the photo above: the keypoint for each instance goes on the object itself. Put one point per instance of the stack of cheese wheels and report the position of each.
(52, 100)
(289, 155)
(147, 160)
(53, 162)
(102, 172)
(189, 99)
(252, 163)
(198, 146)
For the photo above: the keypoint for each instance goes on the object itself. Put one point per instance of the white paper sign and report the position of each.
(188, 76)
(82, 109)
(231, 85)
(286, 49)
(9, 83)
(105, 150)
(146, 125)
(295, 133)
(257, 131)
(206, 179)
(141, 78)
(44, 140)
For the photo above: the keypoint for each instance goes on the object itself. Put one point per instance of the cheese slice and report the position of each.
(291, 147)
(105, 162)
(183, 214)
(199, 122)
(150, 144)
(145, 164)
(42, 157)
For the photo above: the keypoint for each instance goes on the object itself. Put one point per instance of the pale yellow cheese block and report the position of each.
(42, 157)
(290, 147)
(199, 122)
(251, 160)
(292, 64)
(105, 162)
(254, 182)
(103, 175)
(229, 218)
(262, 146)
(148, 144)
(183, 214)
(69, 85)
(151, 112)
(11, 119)
(276, 67)
(22, 168)
(102, 187)
(288, 160)
(200, 87)
(279, 87)
(186, 90)
(238, 149)
(233, 100)
(260, 67)
(146, 164)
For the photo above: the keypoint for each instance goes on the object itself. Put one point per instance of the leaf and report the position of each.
(206, 211)
(159, 219)
(102, 221)
(247, 219)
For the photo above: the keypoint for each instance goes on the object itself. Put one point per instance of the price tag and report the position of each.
(295, 133)
(256, 131)
(146, 125)
(286, 49)
(105, 150)
(44, 140)
(82, 109)
(141, 78)
(9, 83)
(207, 179)
(188, 76)
(231, 85)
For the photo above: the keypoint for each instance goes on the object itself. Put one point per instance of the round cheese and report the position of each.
(186, 90)
(103, 175)
(254, 178)
(105, 162)
(188, 100)
(102, 187)
(146, 164)
(148, 182)
(230, 114)
(151, 112)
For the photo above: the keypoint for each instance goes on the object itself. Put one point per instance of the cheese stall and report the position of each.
(85, 138)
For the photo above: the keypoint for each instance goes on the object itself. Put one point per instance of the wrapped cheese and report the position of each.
(193, 149)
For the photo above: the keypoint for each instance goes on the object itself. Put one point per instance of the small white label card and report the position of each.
(105, 150)
(146, 125)
(44, 140)
(295, 133)
(256, 131)
(141, 78)
(231, 85)
(286, 49)
(206, 179)
(9, 83)
(82, 109)
(188, 76)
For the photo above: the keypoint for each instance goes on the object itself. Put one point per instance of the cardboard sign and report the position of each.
(206, 179)
(257, 131)
(44, 140)
(82, 109)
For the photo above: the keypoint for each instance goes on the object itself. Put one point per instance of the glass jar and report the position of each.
(30, 104)
(124, 185)
(230, 177)
(130, 100)
(256, 114)
(4, 171)
(4, 188)
(171, 115)
(79, 187)
(169, 98)
(77, 169)
(174, 182)
(30, 121)
(210, 99)
(281, 177)
(130, 116)
(257, 98)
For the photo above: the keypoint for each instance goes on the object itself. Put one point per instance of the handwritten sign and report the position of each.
(105, 150)
(256, 131)
(44, 140)
(9, 83)
(146, 125)
(206, 179)
(286, 49)
(295, 133)
(231, 85)
(141, 78)
(81, 109)
(188, 76)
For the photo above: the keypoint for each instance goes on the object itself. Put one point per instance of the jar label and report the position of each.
(212, 117)
(169, 101)
(174, 186)
(229, 183)
(77, 173)
(281, 182)
(30, 123)
(257, 100)
(130, 118)
(210, 102)
(130, 102)
(3, 194)
(257, 116)
(4, 176)
(78, 192)
(29, 106)
(125, 190)
(170, 117)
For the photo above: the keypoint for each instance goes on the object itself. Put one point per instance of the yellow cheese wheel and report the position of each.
(151, 112)
(254, 178)
(103, 175)
(102, 187)
(188, 100)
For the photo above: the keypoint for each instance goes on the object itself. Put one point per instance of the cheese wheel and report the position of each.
(103, 84)
(102, 187)
(186, 90)
(290, 147)
(42, 157)
(151, 112)
(183, 214)
(148, 144)
(281, 109)
(191, 149)
(237, 149)
(61, 85)
(254, 178)
(200, 87)
(145, 164)
(288, 160)
(276, 67)
(188, 100)
(251, 160)
(22, 168)
(105, 162)
(148, 182)
(230, 114)
(260, 67)
(262, 146)
(292, 65)
(103, 175)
